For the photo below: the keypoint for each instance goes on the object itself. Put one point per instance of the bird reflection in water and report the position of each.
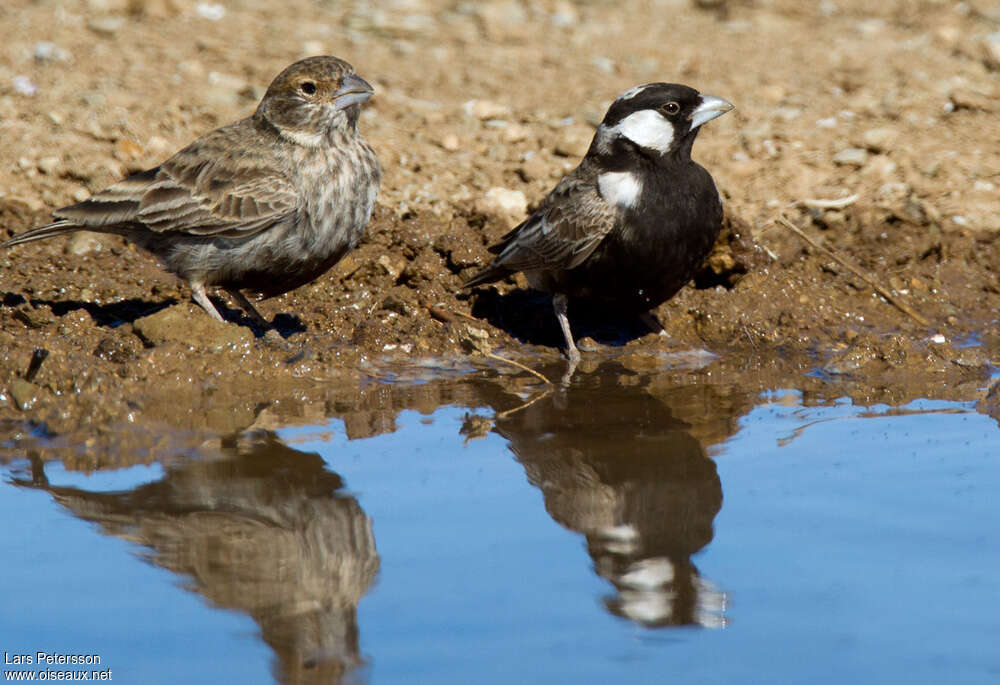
(260, 528)
(616, 465)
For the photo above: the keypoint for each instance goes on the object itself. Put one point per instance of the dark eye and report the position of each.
(670, 108)
(308, 87)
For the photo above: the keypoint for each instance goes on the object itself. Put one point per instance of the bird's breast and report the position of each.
(657, 246)
(345, 184)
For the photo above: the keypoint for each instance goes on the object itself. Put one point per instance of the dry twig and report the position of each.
(517, 364)
(839, 203)
(884, 292)
(507, 412)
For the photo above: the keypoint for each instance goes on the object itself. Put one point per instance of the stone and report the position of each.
(574, 141)
(851, 156)
(49, 165)
(515, 133)
(879, 168)
(24, 85)
(50, 52)
(23, 393)
(485, 109)
(106, 26)
(210, 10)
(533, 169)
(503, 201)
(85, 242)
(991, 50)
(391, 268)
(178, 324)
(964, 98)
(501, 21)
(127, 150)
(450, 142)
(880, 139)
(224, 89)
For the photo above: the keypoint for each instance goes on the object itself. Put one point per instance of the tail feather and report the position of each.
(490, 274)
(42, 232)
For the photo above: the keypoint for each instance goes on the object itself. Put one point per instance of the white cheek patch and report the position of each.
(620, 188)
(632, 92)
(647, 129)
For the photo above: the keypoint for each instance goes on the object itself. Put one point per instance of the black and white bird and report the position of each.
(634, 221)
(268, 203)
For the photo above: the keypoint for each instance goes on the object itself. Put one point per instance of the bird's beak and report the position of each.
(353, 90)
(710, 108)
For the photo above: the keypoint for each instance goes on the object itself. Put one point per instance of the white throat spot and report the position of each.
(647, 129)
(620, 188)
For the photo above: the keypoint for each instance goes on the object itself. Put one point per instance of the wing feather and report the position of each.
(571, 222)
(217, 186)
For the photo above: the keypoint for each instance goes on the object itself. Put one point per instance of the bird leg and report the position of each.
(199, 296)
(652, 323)
(248, 307)
(559, 303)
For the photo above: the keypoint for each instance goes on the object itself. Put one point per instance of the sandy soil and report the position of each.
(480, 108)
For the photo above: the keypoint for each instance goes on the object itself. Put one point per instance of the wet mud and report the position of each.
(870, 129)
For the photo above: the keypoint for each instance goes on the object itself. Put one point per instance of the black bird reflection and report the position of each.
(258, 527)
(616, 465)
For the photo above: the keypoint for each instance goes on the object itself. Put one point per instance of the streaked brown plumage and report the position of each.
(268, 203)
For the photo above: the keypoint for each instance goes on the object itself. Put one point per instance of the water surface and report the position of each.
(619, 529)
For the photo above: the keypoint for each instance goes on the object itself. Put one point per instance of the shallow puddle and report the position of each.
(616, 530)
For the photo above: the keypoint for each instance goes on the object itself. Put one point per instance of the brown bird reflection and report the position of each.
(258, 527)
(621, 469)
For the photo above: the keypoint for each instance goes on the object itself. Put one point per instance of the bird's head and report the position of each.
(313, 98)
(655, 120)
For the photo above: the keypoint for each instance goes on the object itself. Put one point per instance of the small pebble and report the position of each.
(503, 201)
(106, 26)
(50, 52)
(210, 10)
(515, 133)
(880, 139)
(603, 64)
(574, 142)
(313, 47)
(991, 50)
(450, 142)
(49, 165)
(23, 393)
(393, 270)
(533, 169)
(851, 156)
(963, 98)
(879, 168)
(84, 242)
(127, 150)
(484, 109)
(24, 85)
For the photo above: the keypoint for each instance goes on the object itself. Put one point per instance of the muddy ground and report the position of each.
(891, 111)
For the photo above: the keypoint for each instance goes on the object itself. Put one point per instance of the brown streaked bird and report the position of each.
(267, 204)
(633, 222)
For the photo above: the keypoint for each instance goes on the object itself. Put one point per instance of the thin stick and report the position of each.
(507, 412)
(439, 312)
(889, 297)
(518, 365)
(830, 204)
